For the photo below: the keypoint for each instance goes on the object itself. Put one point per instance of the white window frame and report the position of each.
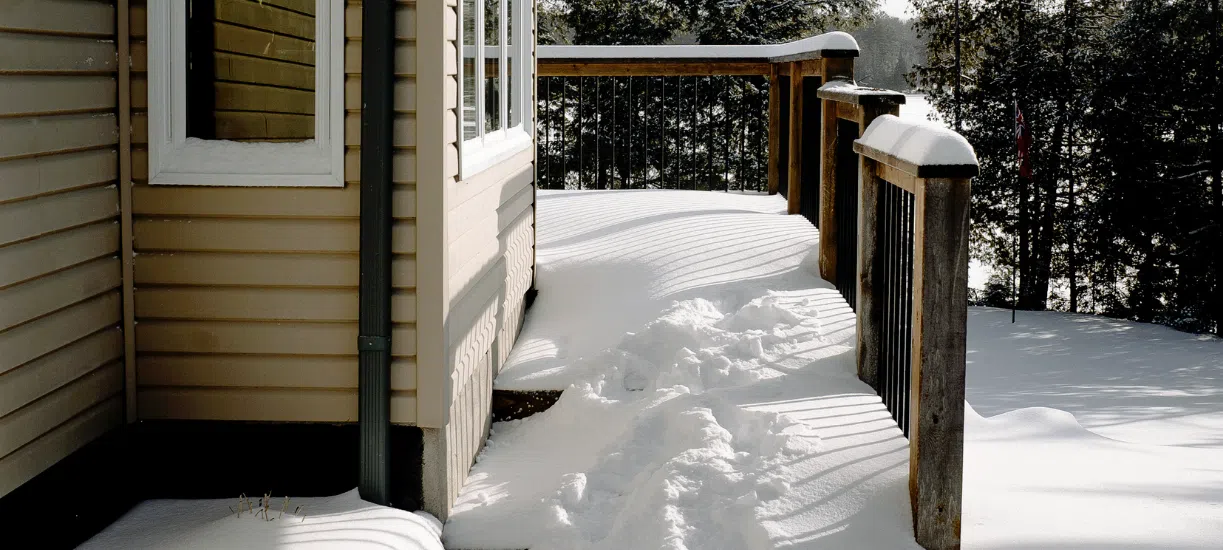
(174, 160)
(488, 149)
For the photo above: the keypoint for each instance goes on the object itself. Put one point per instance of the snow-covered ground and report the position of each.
(342, 521)
(711, 403)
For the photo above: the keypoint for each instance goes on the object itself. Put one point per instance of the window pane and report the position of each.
(469, 70)
(492, 65)
(250, 71)
(510, 65)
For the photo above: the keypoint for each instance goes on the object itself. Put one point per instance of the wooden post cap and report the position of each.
(846, 91)
(921, 149)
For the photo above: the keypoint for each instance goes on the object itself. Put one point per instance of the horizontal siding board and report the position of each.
(403, 128)
(42, 53)
(233, 39)
(254, 125)
(25, 219)
(258, 405)
(270, 371)
(21, 94)
(45, 451)
(236, 303)
(403, 271)
(405, 21)
(403, 166)
(40, 337)
(24, 261)
(405, 58)
(265, 17)
(45, 374)
(403, 90)
(31, 177)
(264, 71)
(260, 202)
(477, 208)
(403, 407)
(228, 337)
(32, 136)
(43, 415)
(247, 235)
(44, 295)
(263, 270)
(234, 96)
(59, 16)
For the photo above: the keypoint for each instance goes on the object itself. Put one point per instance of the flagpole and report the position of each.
(1015, 255)
(957, 66)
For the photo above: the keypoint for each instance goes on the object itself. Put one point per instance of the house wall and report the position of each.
(484, 233)
(61, 342)
(246, 298)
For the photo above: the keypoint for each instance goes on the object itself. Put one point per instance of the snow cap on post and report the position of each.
(922, 149)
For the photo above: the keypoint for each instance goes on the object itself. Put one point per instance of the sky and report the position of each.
(895, 8)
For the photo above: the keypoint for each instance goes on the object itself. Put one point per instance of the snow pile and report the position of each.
(342, 521)
(920, 143)
(1035, 478)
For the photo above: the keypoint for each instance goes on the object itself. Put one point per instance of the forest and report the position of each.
(1123, 212)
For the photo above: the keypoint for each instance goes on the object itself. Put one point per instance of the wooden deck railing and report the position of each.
(890, 199)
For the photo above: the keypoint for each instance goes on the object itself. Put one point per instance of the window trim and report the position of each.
(320, 164)
(489, 149)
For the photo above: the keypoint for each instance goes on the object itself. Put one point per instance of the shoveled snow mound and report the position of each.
(1134, 382)
(721, 424)
(1035, 479)
(342, 521)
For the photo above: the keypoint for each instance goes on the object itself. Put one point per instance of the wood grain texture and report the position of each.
(870, 305)
(940, 291)
(828, 192)
(795, 169)
(557, 67)
(775, 137)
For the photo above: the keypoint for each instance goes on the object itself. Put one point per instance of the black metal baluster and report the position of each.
(632, 113)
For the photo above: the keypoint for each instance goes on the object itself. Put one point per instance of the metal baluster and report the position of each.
(632, 104)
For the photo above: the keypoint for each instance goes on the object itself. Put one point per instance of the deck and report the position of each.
(628, 280)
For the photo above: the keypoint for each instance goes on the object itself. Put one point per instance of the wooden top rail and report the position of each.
(689, 60)
(845, 91)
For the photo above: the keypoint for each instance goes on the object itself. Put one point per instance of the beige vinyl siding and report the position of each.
(487, 237)
(61, 342)
(246, 298)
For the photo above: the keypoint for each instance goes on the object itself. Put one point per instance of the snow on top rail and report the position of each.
(848, 92)
(920, 148)
(832, 44)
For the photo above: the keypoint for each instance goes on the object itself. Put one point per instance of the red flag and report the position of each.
(1023, 139)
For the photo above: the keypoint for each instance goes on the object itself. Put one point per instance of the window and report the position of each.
(494, 76)
(246, 93)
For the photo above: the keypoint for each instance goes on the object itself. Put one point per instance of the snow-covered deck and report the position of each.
(711, 402)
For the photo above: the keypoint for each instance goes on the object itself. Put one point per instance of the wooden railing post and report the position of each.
(795, 170)
(828, 191)
(869, 307)
(774, 128)
(843, 100)
(936, 166)
(940, 291)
